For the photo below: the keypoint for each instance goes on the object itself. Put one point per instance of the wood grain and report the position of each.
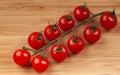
(18, 18)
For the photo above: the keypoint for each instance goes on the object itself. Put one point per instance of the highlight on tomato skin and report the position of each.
(22, 57)
(40, 64)
(92, 34)
(52, 32)
(36, 40)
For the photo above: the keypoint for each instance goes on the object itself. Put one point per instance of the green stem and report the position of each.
(65, 33)
(25, 48)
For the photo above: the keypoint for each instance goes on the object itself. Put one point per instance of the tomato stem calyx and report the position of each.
(113, 13)
(59, 48)
(84, 6)
(54, 27)
(75, 39)
(39, 36)
(93, 28)
(43, 55)
(69, 17)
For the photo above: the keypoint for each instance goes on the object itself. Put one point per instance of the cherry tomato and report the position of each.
(52, 32)
(66, 22)
(22, 57)
(36, 40)
(59, 53)
(92, 34)
(40, 64)
(81, 13)
(75, 44)
(108, 20)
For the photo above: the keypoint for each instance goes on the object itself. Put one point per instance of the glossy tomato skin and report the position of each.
(22, 57)
(34, 42)
(40, 64)
(81, 14)
(75, 46)
(92, 36)
(51, 34)
(59, 56)
(107, 21)
(66, 24)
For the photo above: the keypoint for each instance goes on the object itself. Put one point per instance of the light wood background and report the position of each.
(18, 18)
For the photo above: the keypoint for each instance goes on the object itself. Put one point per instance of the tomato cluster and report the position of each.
(59, 52)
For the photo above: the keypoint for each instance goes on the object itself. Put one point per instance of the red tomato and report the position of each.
(66, 22)
(81, 13)
(108, 21)
(36, 40)
(92, 34)
(52, 32)
(22, 57)
(59, 53)
(40, 64)
(75, 44)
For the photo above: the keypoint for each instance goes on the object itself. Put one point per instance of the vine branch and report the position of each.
(65, 33)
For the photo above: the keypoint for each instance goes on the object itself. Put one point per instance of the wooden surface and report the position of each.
(18, 18)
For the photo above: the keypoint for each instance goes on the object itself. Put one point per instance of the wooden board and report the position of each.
(19, 18)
